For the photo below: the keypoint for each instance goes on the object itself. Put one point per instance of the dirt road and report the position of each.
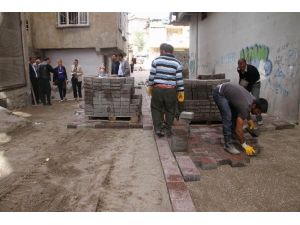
(58, 169)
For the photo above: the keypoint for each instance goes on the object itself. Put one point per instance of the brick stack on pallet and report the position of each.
(198, 97)
(111, 97)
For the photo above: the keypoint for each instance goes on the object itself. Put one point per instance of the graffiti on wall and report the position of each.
(286, 67)
(192, 64)
(258, 56)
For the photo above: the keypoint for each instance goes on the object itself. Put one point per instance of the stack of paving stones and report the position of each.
(111, 97)
(198, 97)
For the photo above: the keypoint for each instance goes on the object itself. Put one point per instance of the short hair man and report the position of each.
(249, 78)
(235, 104)
(166, 85)
(44, 71)
(124, 68)
(35, 96)
(115, 63)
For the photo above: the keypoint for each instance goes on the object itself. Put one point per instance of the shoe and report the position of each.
(61, 100)
(65, 99)
(231, 149)
(260, 122)
(49, 103)
(159, 133)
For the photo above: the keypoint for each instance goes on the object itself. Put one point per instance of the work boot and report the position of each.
(159, 133)
(231, 149)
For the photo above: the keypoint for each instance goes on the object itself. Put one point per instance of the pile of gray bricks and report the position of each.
(198, 98)
(111, 97)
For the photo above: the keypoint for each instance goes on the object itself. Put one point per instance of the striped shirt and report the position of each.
(166, 69)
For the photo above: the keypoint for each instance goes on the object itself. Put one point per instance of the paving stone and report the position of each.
(281, 124)
(187, 168)
(71, 126)
(169, 164)
(238, 160)
(178, 190)
(208, 163)
(179, 143)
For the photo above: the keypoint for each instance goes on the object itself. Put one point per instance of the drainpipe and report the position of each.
(197, 50)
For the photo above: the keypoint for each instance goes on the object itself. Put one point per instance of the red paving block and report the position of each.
(188, 168)
(183, 206)
(208, 163)
(178, 190)
(205, 162)
(180, 197)
(169, 164)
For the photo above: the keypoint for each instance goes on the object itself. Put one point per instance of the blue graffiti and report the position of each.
(268, 67)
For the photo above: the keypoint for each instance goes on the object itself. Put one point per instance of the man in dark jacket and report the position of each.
(249, 79)
(115, 64)
(34, 82)
(44, 71)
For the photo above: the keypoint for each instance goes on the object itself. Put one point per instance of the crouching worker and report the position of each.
(235, 104)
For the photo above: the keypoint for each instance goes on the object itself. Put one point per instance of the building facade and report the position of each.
(14, 88)
(269, 41)
(90, 37)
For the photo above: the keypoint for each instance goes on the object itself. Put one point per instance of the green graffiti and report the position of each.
(256, 52)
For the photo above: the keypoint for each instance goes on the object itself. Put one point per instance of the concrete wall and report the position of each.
(15, 95)
(270, 41)
(102, 32)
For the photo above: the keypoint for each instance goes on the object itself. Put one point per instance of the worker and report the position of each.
(235, 104)
(166, 87)
(249, 78)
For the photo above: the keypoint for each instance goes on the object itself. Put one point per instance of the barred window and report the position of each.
(70, 19)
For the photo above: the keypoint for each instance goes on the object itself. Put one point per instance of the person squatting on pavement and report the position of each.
(76, 79)
(60, 79)
(235, 104)
(250, 79)
(166, 86)
(44, 71)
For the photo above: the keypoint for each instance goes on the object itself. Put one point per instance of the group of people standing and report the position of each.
(120, 66)
(40, 77)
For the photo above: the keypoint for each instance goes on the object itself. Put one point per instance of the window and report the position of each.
(73, 19)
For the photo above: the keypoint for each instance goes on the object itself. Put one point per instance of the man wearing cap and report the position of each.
(235, 104)
(44, 71)
(166, 86)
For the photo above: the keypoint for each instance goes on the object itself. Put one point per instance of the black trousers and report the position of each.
(62, 88)
(45, 90)
(76, 85)
(36, 90)
(163, 102)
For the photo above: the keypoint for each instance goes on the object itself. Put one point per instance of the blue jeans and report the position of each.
(228, 115)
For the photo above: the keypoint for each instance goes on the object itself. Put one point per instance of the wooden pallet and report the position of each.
(131, 119)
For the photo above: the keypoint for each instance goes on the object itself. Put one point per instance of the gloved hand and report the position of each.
(149, 90)
(180, 96)
(249, 150)
(250, 124)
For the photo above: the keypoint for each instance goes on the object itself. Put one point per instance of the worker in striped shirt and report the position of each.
(166, 87)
